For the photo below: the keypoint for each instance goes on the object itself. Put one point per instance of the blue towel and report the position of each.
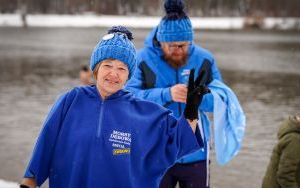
(229, 122)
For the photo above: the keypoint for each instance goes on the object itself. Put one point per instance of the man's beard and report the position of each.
(175, 63)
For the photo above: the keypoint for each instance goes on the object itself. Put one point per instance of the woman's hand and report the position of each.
(28, 183)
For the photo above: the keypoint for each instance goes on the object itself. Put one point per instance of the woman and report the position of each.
(101, 136)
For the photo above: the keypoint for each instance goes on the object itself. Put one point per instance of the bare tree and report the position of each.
(155, 7)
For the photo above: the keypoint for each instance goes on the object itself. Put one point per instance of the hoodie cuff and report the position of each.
(166, 95)
(28, 174)
(207, 104)
(188, 142)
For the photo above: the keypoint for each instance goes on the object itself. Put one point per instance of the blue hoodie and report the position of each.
(154, 77)
(119, 142)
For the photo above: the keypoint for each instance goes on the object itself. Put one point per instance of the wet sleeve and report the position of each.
(159, 146)
(176, 139)
(38, 166)
(288, 164)
(158, 95)
(179, 139)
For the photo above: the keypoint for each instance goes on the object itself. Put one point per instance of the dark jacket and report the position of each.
(284, 168)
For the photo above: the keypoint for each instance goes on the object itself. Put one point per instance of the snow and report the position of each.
(6, 184)
(282, 24)
(92, 20)
(10, 20)
(218, 23)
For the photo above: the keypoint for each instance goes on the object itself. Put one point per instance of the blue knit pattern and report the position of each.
(170, 30)
(117, 47)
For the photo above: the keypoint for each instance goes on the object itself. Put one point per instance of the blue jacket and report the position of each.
(154, 77)
(119, 142)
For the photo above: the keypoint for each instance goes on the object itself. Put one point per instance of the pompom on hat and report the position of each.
(116, 44)
(176, 25)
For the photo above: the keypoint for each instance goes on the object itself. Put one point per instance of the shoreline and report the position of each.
(92, 20)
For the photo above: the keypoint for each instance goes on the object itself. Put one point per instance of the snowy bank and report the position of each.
(38, 20)
(6, 184)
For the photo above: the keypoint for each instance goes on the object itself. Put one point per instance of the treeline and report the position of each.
(263, 8)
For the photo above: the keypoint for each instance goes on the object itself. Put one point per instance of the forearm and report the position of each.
(158, 95)
(193, 124)
(29, 182)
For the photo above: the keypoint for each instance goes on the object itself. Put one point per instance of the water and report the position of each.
(38, 64)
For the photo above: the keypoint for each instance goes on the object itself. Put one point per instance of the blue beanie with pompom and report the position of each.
(176, 25)
(116, 44)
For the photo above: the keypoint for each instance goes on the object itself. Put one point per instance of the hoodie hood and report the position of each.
(290, 125)
(151, 39)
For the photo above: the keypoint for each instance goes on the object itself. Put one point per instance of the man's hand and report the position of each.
(179, 93)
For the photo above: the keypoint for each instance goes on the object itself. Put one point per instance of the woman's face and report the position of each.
(111, 76)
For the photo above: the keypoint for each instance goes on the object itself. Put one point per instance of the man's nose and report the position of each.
(178, 51)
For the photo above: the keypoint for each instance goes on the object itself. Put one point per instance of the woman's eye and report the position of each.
(107, 66)
(121, 69)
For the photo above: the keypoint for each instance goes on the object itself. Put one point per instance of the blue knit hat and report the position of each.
(176, 25)
(115, 45)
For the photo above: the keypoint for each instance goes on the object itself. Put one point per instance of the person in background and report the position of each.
(163, 69)
(101, 136)
(284, 168)
(85, 75)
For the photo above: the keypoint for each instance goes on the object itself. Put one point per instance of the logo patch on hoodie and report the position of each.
(121, 151)
(121, 142)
